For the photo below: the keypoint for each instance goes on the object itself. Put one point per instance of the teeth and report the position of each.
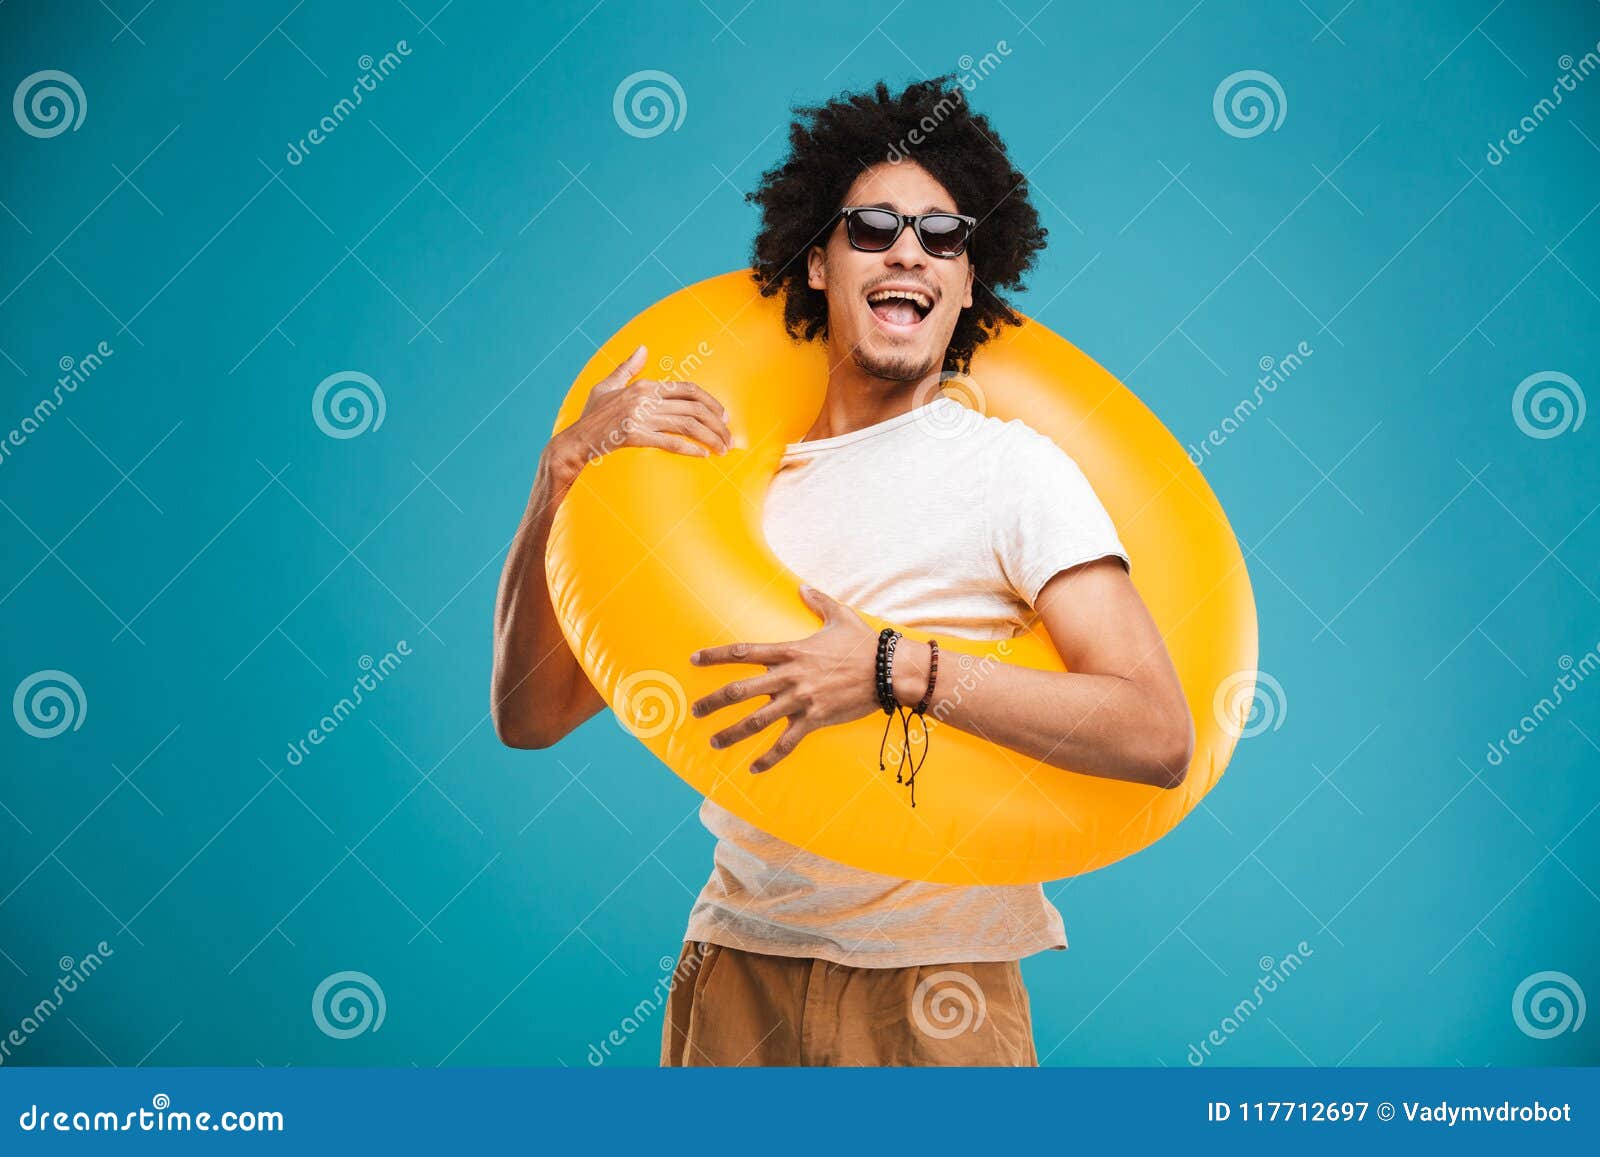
(919, 299)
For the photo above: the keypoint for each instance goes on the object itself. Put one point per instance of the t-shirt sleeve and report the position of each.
(1044, 516)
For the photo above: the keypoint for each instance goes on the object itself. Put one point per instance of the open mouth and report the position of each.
(899, 307)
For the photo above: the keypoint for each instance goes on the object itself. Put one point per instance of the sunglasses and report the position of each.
(873, 230)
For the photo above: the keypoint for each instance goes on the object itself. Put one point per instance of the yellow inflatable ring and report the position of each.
(654, 555)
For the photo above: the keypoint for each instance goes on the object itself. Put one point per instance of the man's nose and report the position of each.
(906, 252)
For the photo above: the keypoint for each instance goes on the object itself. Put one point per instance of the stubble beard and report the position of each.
(895, 367)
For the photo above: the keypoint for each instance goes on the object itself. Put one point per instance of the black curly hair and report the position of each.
(931, 124)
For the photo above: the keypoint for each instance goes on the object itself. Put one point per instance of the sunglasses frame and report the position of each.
(914, 220)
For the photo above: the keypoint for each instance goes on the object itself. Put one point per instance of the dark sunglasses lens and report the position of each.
(873, 229)
(943, 235)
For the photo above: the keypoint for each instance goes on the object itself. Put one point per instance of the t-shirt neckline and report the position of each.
(872, 431)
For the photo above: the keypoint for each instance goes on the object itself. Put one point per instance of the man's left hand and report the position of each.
(821, 680)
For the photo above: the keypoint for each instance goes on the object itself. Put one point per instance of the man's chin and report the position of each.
(896, 366)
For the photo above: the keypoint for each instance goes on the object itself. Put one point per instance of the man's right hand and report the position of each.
(670, 415)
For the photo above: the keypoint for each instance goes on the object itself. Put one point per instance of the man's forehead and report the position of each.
(906, 187)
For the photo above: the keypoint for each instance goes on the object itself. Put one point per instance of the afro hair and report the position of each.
(931, 125)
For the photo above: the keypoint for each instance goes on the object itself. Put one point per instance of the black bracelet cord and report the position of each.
(888, 641)
(920, 710)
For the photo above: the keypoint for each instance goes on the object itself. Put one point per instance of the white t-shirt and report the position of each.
(944, 520)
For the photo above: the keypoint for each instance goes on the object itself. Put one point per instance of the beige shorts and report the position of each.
(730, 1007)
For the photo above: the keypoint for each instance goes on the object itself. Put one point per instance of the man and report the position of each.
(891, 242)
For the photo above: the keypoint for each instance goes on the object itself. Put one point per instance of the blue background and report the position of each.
(185, 541)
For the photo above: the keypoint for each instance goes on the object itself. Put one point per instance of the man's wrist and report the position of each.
(911, 662)
(559, 466)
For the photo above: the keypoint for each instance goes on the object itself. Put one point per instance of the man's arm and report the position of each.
(1118, 712)
(539, 692)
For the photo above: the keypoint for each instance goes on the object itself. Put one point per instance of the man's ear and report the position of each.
(817, 268)
(967, 301)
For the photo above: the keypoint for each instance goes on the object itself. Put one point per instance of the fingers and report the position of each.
(754, 723)
(825, 608)
(783, 748)
(676, 416)
(693, 420)
(670, 442)
(762, 654)
(623, 374)
(782, 707)
(673, 431)
(677, 408)
(676, 389)
(782, 704)
(737, 692)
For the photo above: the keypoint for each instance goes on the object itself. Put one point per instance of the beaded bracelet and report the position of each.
(888, 642)
(933, 675)
(888, 639)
